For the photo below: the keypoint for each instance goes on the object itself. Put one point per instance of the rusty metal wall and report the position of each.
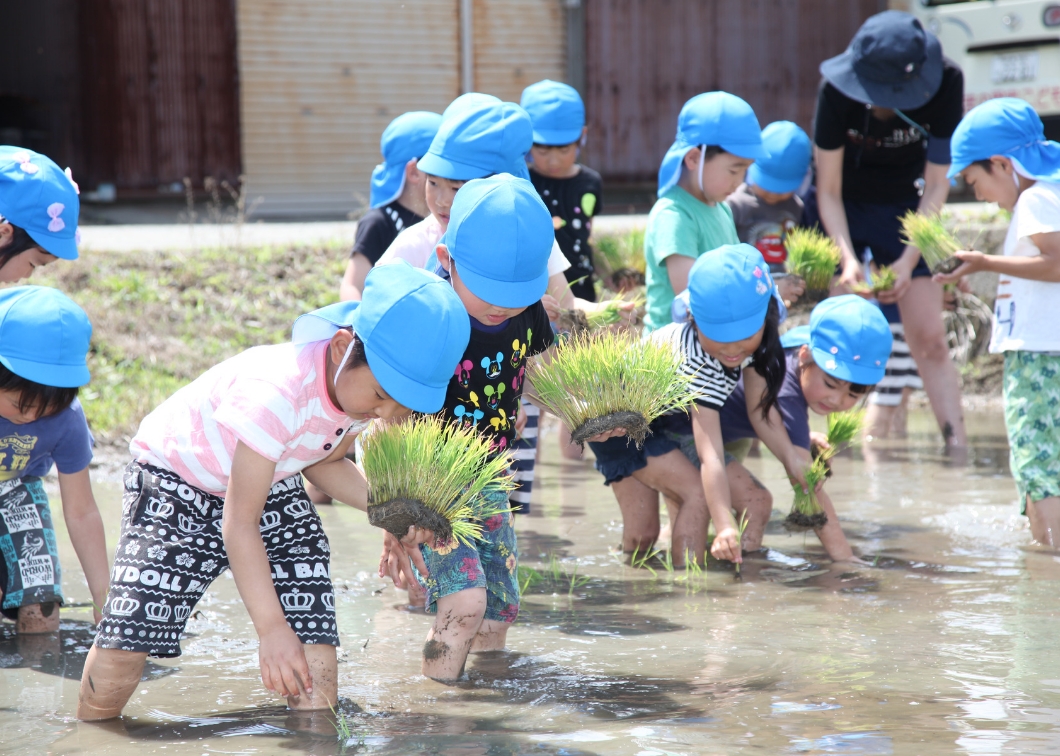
(518, 42)
(159, 93)
(645, 58)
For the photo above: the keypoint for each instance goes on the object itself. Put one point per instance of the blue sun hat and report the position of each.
(713, 118)
(406, 138)
(729, 289)
(480, 140)
(44, 336)
(38, 197)
(891, 62)
(848, 337)
(1010, 127)
(414, 328)
(469, 101)
(500, 237)
(556, 111)
(784, 169)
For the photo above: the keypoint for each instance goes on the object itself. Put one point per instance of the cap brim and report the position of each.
(797, 336)
(736, 330)
(387, 183)
(436, 165)
(418, 397)
(47, 374)
(64, 249)
(910, 94)
(866, 375)
(557, 137)
(772, 183)
(504, 293)
(956, 168)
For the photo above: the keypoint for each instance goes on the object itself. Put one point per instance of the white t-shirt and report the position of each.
(712, 382)
(416, 246)
(1025, 310)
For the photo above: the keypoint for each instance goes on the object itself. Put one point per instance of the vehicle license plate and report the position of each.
(1014, 67)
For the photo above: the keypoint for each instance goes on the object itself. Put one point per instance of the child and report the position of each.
(765, 207)
(397, 195)
(571, 191)
(999, 148)
(38, 213)
(216, 483)
(717, 139)
(43, 343)
(830, 366)
(734, 322)
(495, 252)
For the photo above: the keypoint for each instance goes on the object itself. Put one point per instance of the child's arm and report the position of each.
(357, 270)
(831, 534)
(85, 526)
(771, 428)
(677, 269)
(280, 654)
(706, 427)
(1045, 266)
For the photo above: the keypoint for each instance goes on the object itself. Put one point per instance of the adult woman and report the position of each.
(886, 109)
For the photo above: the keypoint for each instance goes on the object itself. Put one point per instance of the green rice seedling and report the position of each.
(602, 381)
(741, 526)
(431, 474)
(884, 279)
(843, 428)
(528, 578)
(641, 561)
(611, 312)
(812, 256)
(929, 235)
(555, 571)
(574, 581)
(806, 512)
(620, 260)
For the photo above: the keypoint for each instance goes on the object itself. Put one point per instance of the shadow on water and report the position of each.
(61, 654)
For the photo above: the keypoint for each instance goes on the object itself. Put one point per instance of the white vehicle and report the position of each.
(1006, 48)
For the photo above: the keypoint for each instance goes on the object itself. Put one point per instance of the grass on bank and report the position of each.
(160, 319)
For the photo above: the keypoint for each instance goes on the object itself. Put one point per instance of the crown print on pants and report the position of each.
(158, 611)
(297, 602)
(123, 606)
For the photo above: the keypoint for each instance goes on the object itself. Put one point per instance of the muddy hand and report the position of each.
(727, 546)
(284, 669)
(411, 543)
(552, 308)
(971, 262)
(392, 562)
(601, 437)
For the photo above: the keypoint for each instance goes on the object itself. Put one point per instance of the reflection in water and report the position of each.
(942, 641)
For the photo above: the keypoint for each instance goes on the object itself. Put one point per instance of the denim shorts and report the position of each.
(619, 458)
(492, 562)
(29, 566)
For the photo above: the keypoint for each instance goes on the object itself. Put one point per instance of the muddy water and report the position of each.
(946, 645)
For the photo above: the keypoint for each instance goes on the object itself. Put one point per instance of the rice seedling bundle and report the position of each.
(806, 512)
(431, 474)
(620, 260)
(607, 314)
(811, 256)
(598, 382)
(935, 243)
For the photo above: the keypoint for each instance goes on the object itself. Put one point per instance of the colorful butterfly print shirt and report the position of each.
(488, 383)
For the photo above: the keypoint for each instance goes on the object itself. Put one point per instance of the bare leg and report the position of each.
(324, 669)
(921, 309)
(109, 680)
(317, 495)
(1044, 515)
(454, 631)
(35, 619)
(491, 636)
(749, 495)
(900, 418)
(640, 515)
(678, 479)
(879, 419)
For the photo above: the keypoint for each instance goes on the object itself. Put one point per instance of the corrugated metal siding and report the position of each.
(160, 91)
(518, 42)
(321, 79)
(645, 58)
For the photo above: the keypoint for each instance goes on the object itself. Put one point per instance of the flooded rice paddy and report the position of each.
(946, 645)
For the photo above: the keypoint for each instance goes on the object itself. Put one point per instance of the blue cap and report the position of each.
(414, 328)
(713, 118)
(556, 110)
(729, 289)
(1010, 127)
(500, 235)
(469, 101)
(480, 140)
(406, 138)
(38, 197)
(784, 169)
(848, 337)
(891, 62)
(44, 336)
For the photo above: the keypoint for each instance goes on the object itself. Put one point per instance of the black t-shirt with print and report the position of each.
(883, 159)
(379, 227)
(573, 202)
(488, 382)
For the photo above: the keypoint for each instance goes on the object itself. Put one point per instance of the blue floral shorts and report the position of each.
(491, 563)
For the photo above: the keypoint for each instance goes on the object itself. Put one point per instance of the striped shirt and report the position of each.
(712, 382)
(272, 398)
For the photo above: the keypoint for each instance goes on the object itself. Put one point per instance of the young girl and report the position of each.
(830, 366)
(216, 483)
(717, 140)
(38, 213)
(1001, 151)
(734, 323)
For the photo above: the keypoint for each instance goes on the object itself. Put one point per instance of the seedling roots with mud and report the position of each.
(936, 244)
(811, 256)
(806, 512)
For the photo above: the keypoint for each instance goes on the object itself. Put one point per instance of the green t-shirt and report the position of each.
(679, 224)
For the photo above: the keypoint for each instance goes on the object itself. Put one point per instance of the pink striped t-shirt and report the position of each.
(272, 398)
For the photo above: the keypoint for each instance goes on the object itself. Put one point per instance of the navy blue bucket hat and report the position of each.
(892, 62)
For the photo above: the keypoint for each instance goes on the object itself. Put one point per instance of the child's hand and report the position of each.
(601, 437)
(727, 545)
(971, 262)
(796, 468)
(819, 440)
(395, 552)
(552, 308)
(284, 669)
(790, 289)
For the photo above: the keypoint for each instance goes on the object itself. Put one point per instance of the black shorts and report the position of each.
(170, 550)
